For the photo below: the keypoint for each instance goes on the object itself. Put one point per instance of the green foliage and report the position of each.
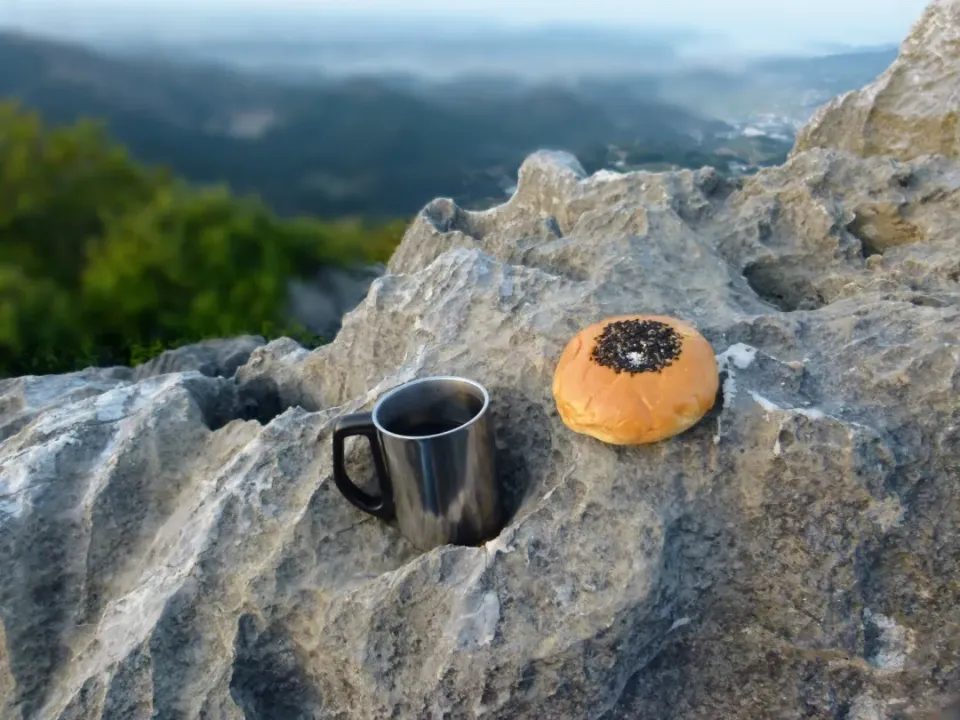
(57, 189)
(35, 321)
(104, 261)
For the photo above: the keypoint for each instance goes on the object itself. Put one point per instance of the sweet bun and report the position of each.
(635, 379)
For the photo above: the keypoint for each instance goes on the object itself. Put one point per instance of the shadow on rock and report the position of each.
(524, 443)
(268, 682)
(222, 401)
(213, 358)
(775, 283)
(259, 400)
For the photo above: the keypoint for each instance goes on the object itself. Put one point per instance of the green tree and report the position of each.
(194, 265)
(37, 328)
(57, 188)
(105, 261)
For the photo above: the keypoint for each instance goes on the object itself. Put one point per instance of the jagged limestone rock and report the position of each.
(911, 110)
(794, 552)
(827, 222)
(174, 546)
(213, 358)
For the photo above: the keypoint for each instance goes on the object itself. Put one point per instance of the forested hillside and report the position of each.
(376, 147)
(106, 261)
(192, 198)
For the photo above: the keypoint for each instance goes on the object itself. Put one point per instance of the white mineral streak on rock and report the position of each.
(892, 643)
(736, 357)
(768, 405)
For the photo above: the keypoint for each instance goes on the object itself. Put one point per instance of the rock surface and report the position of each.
(320, 303)
(212, 358)
(795, 554)
(913, 109)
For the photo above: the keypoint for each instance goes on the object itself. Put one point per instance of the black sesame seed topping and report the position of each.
(637, 346)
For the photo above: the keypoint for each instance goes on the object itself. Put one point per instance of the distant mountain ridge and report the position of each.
(793, 87)
(358, 145)
(379, 146)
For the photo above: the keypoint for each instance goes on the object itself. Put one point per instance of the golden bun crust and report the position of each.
(635, 408)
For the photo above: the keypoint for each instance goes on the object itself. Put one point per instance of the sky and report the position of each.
(747, 23)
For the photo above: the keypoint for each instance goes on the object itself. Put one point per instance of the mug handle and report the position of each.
(362, 424)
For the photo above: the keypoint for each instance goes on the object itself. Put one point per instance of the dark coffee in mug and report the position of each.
(435, 459)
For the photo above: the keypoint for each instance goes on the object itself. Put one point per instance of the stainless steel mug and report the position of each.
(435, 459)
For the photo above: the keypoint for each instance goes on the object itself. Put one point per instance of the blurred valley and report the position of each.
(342, 124)
(161, 184)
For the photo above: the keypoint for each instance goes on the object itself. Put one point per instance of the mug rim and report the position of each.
(419, 381)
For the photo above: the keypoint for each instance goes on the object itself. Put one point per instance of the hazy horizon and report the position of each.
(737, 25)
